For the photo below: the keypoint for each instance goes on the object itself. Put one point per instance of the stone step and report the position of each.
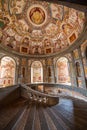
(12, 124)
(37, 125)
(43, 122)
(63, 118)
(49, 121)
(31, 117)
(67, 115)
(21, 124)
(56, 122)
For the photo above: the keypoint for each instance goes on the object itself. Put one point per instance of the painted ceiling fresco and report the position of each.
(35, 27)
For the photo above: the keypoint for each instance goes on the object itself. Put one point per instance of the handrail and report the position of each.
(37, 92)
(82, 91)
(40, 97)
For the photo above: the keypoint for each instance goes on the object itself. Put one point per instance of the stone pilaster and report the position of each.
(50, 67)
(26, 72)
(45, 72)
(73, 74)
(82, 68)
(53, 71)
(19, 71)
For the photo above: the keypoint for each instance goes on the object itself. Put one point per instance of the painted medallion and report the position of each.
(37, 15)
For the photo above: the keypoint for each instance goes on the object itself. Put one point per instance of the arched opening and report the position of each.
(7, 71)
(63, 71)
(36, 72)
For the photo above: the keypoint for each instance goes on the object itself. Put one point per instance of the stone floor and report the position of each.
(69, 114)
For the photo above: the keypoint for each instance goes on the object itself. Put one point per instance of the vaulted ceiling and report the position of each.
(38, 27)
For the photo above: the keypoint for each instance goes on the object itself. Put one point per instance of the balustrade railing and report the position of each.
(40, 97)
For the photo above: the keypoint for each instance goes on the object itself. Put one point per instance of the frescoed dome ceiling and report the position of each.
(35, 27)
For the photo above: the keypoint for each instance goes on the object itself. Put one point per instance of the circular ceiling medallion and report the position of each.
(37, 15)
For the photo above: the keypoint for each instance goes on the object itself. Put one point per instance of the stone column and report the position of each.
(29, 74)
(26, 72)
(53, 71)
(29, 71)
(19, 71)
(45, 72)
(50, 71)
(56, 71)
(82, 68)
(16, 74)
(73, 74)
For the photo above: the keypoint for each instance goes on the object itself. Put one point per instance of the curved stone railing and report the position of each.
(71, 88)
(40, 97)
(61, 90)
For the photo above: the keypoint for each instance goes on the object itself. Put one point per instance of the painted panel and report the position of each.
(36, 72)
(63, 70)
(7, 71)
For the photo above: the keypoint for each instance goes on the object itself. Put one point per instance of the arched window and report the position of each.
(63, 71)
(36, 72)
(7, 71)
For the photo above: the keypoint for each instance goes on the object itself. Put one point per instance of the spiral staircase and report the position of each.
(35, 113)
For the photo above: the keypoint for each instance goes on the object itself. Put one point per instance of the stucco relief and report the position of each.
(16, 6)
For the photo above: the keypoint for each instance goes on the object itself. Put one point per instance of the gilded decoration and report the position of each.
(37, 15)
(36, 27)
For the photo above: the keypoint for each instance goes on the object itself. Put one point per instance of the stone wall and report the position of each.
(9, 94)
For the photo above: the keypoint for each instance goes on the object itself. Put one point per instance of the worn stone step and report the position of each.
(31, 118)
(43, 123)
(12, 124)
